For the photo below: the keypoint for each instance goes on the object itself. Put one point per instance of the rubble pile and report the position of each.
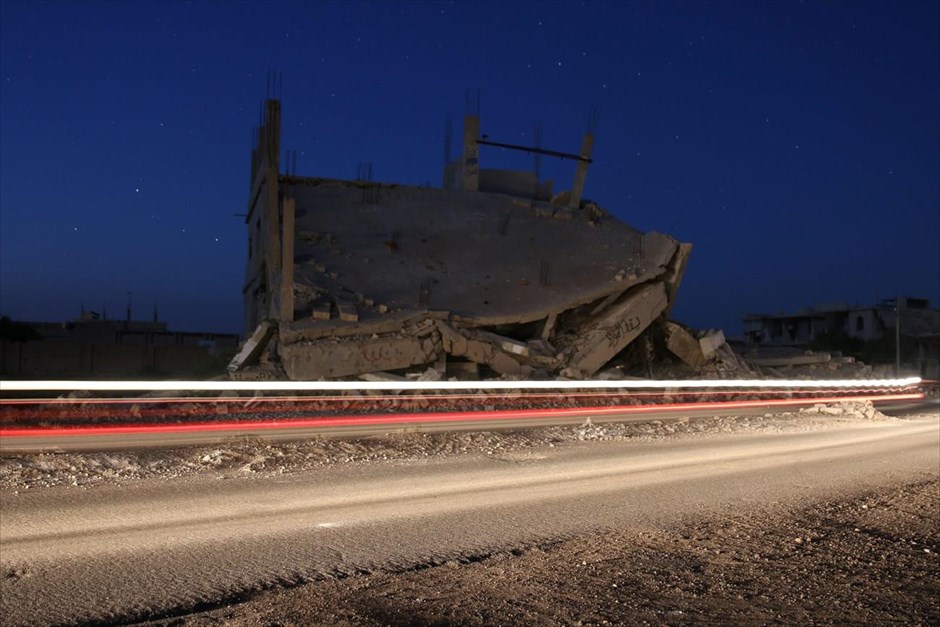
(494, 274)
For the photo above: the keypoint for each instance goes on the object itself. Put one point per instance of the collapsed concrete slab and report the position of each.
(623, 322)
(363, 277)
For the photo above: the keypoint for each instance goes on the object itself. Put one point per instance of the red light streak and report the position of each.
(395, 419)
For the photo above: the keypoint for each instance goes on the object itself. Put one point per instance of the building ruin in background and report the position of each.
(492, 273)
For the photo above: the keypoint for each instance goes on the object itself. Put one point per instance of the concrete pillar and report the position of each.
(587, 146)
(471, 153)
(287, 262)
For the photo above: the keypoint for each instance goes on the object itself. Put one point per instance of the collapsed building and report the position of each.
(490, 274)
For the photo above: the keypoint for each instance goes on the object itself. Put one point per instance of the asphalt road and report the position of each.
(160, 548)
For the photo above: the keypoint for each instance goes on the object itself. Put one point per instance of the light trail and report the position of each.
(254, 400)
(328, 386)
(394, 419)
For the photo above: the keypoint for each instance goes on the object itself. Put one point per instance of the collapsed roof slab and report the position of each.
(483, 257)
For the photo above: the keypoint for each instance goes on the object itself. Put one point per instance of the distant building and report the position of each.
(92, 345)
(920, 327)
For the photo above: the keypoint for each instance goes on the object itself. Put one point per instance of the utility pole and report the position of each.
(897, 335)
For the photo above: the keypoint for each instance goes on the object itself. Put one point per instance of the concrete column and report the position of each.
(471, 153)
(287, 262)
(587, 146)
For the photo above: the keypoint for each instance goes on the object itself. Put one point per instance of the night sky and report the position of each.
(796, 145)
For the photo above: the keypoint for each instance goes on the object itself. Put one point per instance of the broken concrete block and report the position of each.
(253, 346)
(481, 349)
(507, 344)
(683, 345)
(347, 310)
(711, 342)
(454, 342)
(621, 324)
(430, 375)
(321, 311)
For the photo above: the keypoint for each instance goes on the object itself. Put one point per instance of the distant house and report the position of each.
(920, 327)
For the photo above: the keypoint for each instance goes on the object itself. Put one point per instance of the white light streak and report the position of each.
(333, 386)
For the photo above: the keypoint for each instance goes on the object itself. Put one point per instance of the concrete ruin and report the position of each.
(491, 274)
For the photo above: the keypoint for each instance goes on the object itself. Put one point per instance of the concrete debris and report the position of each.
(710, 342)
(253, 346)
(347, 310)
(385, 377)
(322, 311)
(505, 343)
(430, 374)
(683, 345)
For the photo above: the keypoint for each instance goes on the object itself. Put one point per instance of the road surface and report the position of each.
(162, 548)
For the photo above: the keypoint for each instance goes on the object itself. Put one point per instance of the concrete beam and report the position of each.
(602, 339)
(470, 175)
(308, 330)
(580, 175)
(287, 262)
(305, 361)
(253, 346)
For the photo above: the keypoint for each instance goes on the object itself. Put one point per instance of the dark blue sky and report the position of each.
(797, 145)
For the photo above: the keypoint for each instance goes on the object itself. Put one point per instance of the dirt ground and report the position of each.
(870, 559)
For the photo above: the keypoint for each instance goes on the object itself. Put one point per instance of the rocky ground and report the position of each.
(869, 559)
